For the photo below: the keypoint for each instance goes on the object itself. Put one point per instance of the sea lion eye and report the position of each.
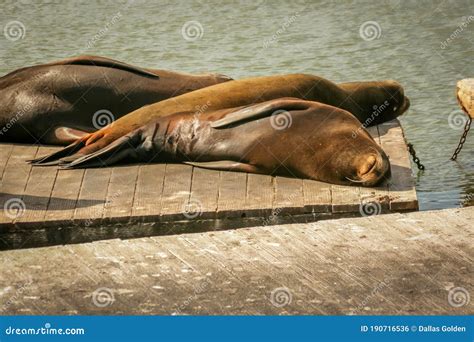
(395, 108)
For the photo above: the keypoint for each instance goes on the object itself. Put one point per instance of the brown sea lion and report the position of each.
(59, 102)
(288, 136)
(361, 99)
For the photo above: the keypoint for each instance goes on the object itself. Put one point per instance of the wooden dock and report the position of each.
(417, 263)
(46, 206)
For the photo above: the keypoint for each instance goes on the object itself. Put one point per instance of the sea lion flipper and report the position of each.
(259, 110)
(226, 165)
(104, 62)
(135, 146)
(53, 158)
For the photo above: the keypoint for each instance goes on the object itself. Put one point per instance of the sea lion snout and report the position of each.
(372, 168)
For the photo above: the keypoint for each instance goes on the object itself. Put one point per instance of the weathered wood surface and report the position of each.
(465, 95)
(418, 263)
(64, 206)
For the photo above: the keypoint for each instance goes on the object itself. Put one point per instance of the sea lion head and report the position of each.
(377, 102)
(351, 156)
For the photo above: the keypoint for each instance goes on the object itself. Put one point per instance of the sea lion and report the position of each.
(316, 143)
(59, 102)
(359, 98)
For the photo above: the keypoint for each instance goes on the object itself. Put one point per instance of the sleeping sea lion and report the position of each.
(359, 99)
(59, 102)
(316, 143)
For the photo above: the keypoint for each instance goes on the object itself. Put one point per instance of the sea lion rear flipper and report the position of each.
(122, 148)
(226, 165)
(260, 110)
(104, 62)
(53, 159)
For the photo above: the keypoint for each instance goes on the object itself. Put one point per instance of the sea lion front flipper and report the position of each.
(260, 110)
(226, 165)
(104, 62)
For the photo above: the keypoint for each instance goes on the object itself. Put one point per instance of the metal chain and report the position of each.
(416, 160)
(467, 127)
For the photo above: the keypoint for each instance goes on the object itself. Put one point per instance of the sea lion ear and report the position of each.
(260, 110)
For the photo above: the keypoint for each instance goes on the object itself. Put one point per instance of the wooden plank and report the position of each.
(64, 196)
(317, 196)
(232, 194)
(204, 194)
(15, 178)
(5, 152)
(374, 200)
(176, 191)
(289, 198)
(356, 266)
(345, 198)
(260, 194)
(147, 202)
(402, 185)
(38, 191)
(92, 191)
(120, 194)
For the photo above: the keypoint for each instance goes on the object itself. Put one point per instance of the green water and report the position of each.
(249, 38)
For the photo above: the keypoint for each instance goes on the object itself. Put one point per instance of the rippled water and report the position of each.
(259, 37)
